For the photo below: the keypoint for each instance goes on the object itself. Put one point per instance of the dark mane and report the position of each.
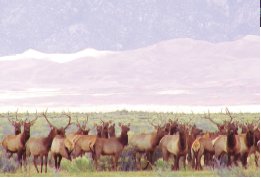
(123, 139)
(231, 140)
(182, 140)
(250, 139)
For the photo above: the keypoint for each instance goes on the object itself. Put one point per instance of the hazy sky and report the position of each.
(73, 25)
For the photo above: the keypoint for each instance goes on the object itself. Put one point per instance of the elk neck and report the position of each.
(250, 139)
(182, 140)
(25, 136)
(231, 140)
(49, 139)
(123, 139)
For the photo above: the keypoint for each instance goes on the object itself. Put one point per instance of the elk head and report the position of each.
(172, 126)
(124, 133)
(82, 128)
(27, 123)
(111, 130)
(58, 131)
(17, 124)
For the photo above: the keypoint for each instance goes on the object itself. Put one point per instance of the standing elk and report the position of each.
(111, 146)
(233, 144)
(61, 147)
(16, 143)
(43, 145)
(203, 145)
(16, 123)
(146, 143)
(176, 145)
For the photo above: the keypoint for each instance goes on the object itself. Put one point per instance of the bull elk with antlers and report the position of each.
(233, 144)
(43, 145)
(176, 145)
(16, 143)
(16, 123)
(61, 147)
(146, 143)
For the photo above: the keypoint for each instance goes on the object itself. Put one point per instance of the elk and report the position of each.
(43, 145)
(111, 146)
(176, 145)
(61, 147)
(233, 144)
(111, 131)
(195, 132)
(82, 129)
(16, 143)
(16, 123)
(146, 143)
(202, 145)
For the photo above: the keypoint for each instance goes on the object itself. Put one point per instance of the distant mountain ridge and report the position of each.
(173, 72)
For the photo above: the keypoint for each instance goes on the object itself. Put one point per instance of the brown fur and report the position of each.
(111, 146)
(146, 143)
(175, 145)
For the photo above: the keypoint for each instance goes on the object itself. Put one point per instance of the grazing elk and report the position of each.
(111, 146)
(43, 145)
(16, 143)
(61, 147)
(176, 145)
(146, 143)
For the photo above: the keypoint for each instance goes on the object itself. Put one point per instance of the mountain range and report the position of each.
(181, 71)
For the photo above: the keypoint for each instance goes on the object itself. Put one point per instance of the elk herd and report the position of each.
(179, 142)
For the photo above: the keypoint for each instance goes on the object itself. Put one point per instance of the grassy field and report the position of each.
(139, 123)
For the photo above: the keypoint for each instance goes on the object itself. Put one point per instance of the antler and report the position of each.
(209, 118)
(152, 123)
(229, 114)
(9, 119)
(36, 117)
(69, 123)
(45, 116)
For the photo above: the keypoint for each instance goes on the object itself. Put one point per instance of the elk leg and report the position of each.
(11, 154)
(116, 157)
(41, 158)
(256, 159)
(25, 161)
(45, 162)
(228, 159)
(138, 160)
(55, 161)
(165, 154)
(59, 161)
(178, 162)
(35, 163)
(184, 161)
(175, 163)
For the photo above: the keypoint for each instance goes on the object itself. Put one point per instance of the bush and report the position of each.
(7, 165)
